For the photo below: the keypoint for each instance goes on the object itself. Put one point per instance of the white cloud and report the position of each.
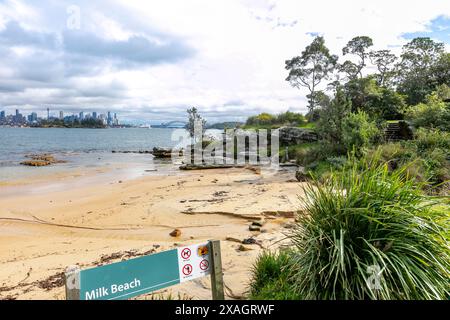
(239, 47)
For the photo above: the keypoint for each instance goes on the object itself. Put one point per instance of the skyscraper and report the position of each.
(48, 113)
(81, 115)
(2, 115)
(94, 115)
(61, 115)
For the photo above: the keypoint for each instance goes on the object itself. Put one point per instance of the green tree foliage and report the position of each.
(357, 46)
(384, 60)
(380, 102)
(308, 70)
(285, 118)
(422, 68)
(358, 132)
(329, 126)
(433, 113)
(193, 118)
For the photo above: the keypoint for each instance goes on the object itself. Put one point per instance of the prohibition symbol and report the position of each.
(204, 265)
(187, 269)
(186, 253)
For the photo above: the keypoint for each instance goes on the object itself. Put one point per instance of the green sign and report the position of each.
(127, 279)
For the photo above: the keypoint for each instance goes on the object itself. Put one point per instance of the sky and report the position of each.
(151, 60)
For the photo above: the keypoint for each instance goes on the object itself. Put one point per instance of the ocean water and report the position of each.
(81, 148)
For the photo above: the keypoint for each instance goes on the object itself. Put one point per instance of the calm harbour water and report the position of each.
(81, 148)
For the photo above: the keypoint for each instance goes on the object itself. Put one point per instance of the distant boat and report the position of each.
(145, 126)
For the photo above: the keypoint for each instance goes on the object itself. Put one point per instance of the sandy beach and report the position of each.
(98, 218)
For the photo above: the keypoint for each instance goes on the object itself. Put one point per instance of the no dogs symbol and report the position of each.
(186, 253)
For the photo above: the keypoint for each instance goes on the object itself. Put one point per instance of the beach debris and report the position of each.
(40, 160)
(175, 233)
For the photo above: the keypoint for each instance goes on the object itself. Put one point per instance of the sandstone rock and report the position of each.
(175, 233)
(259, 223)
(254, 228)
(162, 152)
(294, 135)
(40, 160)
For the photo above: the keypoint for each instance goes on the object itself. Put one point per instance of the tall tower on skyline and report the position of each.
(48, 113)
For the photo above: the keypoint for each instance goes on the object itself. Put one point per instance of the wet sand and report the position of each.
(49, 224)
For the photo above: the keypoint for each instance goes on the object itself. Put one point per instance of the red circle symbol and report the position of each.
(204, 265)
(187, 269)
(186, 253)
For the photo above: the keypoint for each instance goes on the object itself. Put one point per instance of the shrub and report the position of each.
(365, 219)
(358, 132)
(432, 114)
(270, 277)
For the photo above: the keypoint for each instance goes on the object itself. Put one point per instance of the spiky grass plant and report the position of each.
(270, 277)
(371, 234)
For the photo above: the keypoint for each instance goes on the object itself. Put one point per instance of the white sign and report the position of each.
(194, 261)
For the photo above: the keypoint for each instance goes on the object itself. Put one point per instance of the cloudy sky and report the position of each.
(150, 60)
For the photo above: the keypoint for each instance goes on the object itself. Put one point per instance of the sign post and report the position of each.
(216, 272)
(134, 277)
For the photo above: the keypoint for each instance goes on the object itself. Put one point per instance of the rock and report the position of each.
(35, 163)
(162, 152)
(175, 233)
(40, 160)
(254, 228)
(249, 241)
(244, 248)
(294, 135)
(233, 239)
(259, 223)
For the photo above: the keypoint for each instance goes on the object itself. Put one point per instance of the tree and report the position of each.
(195, 118)
(384, 60)
(310, 68)
(350, 69)
(440, 72)
(329, 126)
(418, 69)
(358, 46)
(381, 102)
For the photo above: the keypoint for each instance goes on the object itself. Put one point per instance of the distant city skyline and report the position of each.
(17, 118)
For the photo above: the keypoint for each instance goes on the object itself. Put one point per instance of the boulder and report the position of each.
(162, 152)
(294, 135)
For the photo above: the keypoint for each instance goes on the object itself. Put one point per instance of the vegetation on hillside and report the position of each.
(376, 219)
